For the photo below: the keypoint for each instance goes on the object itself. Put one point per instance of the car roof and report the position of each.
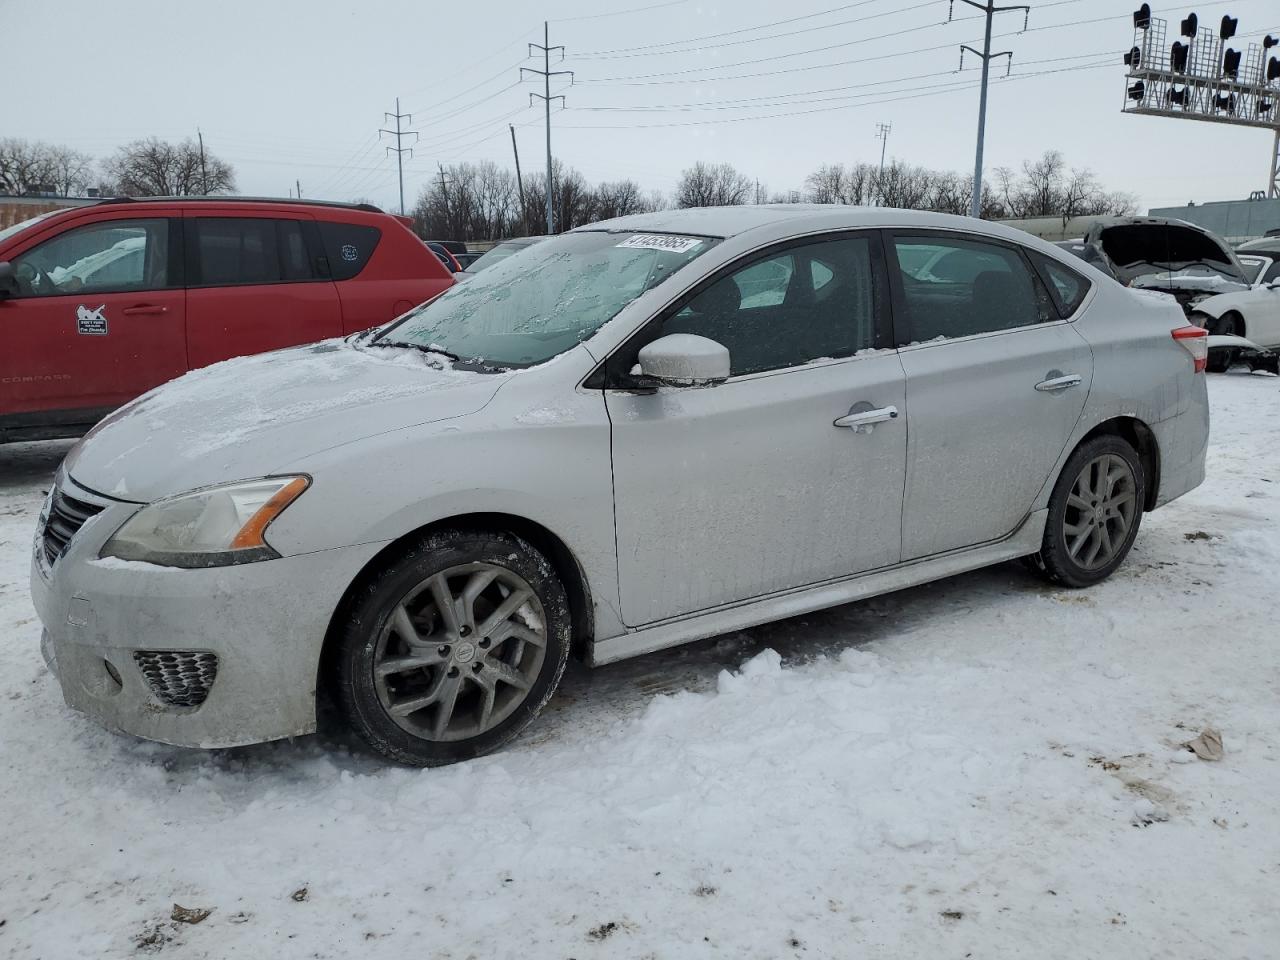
(1267, 247)
(726, 222)
(235, 199)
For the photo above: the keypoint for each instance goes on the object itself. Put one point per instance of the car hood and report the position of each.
(253, 416)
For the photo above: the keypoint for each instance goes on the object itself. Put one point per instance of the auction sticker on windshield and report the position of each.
(661, 241)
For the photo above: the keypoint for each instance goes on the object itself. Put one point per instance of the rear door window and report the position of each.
(241, 251)
(957, 287)
(1067, 288)
(348, 247)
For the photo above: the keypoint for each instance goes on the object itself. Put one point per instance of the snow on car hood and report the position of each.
(252, 416)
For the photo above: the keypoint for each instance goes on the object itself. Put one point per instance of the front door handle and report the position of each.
(1055, 384)
(145, 310)
(865, 418)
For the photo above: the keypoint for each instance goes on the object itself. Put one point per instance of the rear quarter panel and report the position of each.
(1140, 371)
(401, 274)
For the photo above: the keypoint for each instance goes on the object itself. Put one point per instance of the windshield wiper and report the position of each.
(417, 346)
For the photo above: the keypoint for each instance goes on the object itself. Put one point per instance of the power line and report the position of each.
(731, 33)
(773, 36)
(654, 78)
(622, 13)
(746, 103)
(924, 91)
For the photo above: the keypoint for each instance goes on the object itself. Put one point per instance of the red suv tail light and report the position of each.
(1195, 340)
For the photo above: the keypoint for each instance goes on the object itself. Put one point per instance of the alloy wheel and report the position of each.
(460, 652)
(1100, 511)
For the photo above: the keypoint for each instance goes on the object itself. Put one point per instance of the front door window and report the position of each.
(113, 256)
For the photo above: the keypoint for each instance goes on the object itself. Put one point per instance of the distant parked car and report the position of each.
(103, 302)
(1170, 256)
(633, 435)
(500, 252)
(447, 251)
(465, 260)
(1260, 267)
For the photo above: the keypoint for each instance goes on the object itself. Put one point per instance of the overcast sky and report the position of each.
(291, 90)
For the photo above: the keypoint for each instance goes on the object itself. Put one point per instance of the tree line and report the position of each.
(144, 168)
(484, 201)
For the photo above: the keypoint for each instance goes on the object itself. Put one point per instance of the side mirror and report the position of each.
(8, 282)
(684, 360)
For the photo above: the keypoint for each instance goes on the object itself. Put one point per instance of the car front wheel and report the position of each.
(1094, 513)
(453, 648)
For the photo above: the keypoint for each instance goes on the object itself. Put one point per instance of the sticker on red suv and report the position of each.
(92, 323)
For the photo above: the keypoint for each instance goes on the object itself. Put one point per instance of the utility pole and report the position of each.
(204, 173)
(444, 196)
(547, 73)
(990, 9)
(398, 150)
(882, 134)
(524, 211)
(298, 184)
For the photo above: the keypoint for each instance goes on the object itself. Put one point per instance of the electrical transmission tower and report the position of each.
(546, 73)
(398, 149)
(986, 56)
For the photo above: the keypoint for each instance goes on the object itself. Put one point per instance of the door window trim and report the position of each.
(614, 371)
(898, 293)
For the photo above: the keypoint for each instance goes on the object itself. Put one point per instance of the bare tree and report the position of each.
(712, 185)
(70, 171)
(24, 165)
(619, 199)
(157, 168)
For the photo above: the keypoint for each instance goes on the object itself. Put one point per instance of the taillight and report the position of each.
(1195, 340)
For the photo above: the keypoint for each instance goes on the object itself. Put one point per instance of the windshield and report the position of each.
(528, 309)
(21, 225)
(498, 253)
(1253, 267)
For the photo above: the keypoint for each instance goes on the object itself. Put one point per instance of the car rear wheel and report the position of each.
(1094, 513)
(453, 648)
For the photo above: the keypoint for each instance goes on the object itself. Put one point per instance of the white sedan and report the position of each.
(1253, 314)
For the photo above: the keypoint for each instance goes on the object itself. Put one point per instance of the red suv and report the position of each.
(99, 304)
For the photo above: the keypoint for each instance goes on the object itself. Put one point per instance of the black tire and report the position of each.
(1221, 359)
(1067, 523)
(371, 641)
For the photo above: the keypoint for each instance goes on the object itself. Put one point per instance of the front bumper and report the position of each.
(265, 622)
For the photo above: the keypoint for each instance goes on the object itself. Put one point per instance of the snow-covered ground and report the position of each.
(985, 767)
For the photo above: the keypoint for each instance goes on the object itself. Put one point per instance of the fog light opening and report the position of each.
(114, 674)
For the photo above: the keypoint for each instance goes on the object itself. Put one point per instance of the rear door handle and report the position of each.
(1059, 383)
(145, 310)
(865, 418)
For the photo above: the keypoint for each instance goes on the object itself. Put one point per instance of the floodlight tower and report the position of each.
(1199, 77)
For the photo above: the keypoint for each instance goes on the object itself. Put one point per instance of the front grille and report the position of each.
(66, 516)
(179, 678)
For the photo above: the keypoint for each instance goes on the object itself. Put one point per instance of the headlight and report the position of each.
(212, 527)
